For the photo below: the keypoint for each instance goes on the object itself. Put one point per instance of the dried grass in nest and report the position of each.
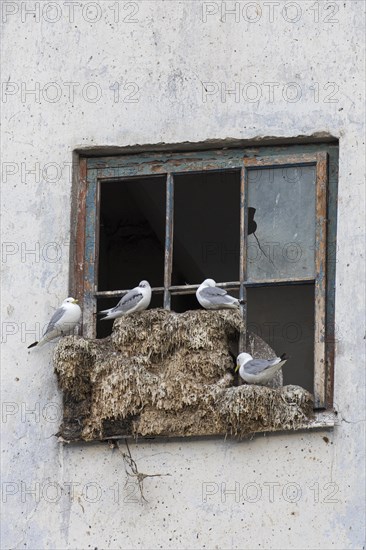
(158, 332)
(249, 409)
(163, 373)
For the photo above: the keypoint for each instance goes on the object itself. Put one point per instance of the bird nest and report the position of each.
(166, 374)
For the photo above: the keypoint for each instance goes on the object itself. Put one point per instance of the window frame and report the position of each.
(86, 205)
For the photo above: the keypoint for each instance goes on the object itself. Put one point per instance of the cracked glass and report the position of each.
(281, 223)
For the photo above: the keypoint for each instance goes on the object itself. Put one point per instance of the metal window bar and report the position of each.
(243, 257)
(191, 289)
(169, 228)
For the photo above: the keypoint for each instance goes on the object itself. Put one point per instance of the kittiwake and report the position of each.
(212, 297)
(136, 299)
(62, 322)
(258, 371)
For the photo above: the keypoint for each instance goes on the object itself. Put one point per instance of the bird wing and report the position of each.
(216, 295)
(256, 366)
(212, 291)
(56, 317)
(129, 301)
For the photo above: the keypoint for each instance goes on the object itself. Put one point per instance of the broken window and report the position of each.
(255, 220)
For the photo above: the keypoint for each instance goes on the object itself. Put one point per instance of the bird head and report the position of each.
(144, 284)
(209, 282)
(70, 301)
(242, 359)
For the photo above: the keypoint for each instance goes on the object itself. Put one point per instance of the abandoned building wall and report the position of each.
(125, 73)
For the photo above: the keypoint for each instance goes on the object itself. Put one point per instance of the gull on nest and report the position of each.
(212, 297)
(136, 299)
(258, 371)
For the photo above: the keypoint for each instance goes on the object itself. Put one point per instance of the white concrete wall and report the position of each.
(170, 49)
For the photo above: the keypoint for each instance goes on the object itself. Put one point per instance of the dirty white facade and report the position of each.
(118, 74)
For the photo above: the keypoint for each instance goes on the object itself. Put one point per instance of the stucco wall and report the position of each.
(159, 53)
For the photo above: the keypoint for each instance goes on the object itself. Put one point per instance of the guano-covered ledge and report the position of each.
(162, 373)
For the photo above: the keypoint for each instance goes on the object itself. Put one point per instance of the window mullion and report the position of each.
(168, 256)
(243, 251)
(90, 254)
(320, 281)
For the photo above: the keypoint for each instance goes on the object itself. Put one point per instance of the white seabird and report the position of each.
(212, 297)
(136, 299)
(258, 371)
(62, 322)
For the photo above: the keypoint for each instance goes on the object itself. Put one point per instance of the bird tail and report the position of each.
(242, 302)
(108, 315)
(284, 357)
(33, 345)
(41, 342)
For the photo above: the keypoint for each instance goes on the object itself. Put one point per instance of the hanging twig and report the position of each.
(132, 470)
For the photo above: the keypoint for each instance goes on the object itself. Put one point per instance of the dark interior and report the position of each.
(284, 317)
(206, 231)
(132, 233)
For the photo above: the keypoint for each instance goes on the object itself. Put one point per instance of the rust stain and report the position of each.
(281, 160)
(320, 372)
(80, 233)
(157, 169)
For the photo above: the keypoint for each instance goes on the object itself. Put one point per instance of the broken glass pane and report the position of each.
(281, 223)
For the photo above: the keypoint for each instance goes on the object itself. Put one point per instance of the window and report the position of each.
(260, 221)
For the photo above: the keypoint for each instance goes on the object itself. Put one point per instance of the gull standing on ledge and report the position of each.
(63, 322)
(212, 297)
(258, 371)
(136, 299)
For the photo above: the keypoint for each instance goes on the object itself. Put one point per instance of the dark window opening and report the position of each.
(283, 316)
(131, 239)
(132, 233)
(206, 227)
(206, 231)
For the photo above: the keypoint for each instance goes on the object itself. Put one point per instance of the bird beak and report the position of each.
(75, 301)
(237, 367)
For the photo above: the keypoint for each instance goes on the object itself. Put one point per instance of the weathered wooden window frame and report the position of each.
(94, 170)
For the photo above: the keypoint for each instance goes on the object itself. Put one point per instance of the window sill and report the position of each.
(323, 420)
